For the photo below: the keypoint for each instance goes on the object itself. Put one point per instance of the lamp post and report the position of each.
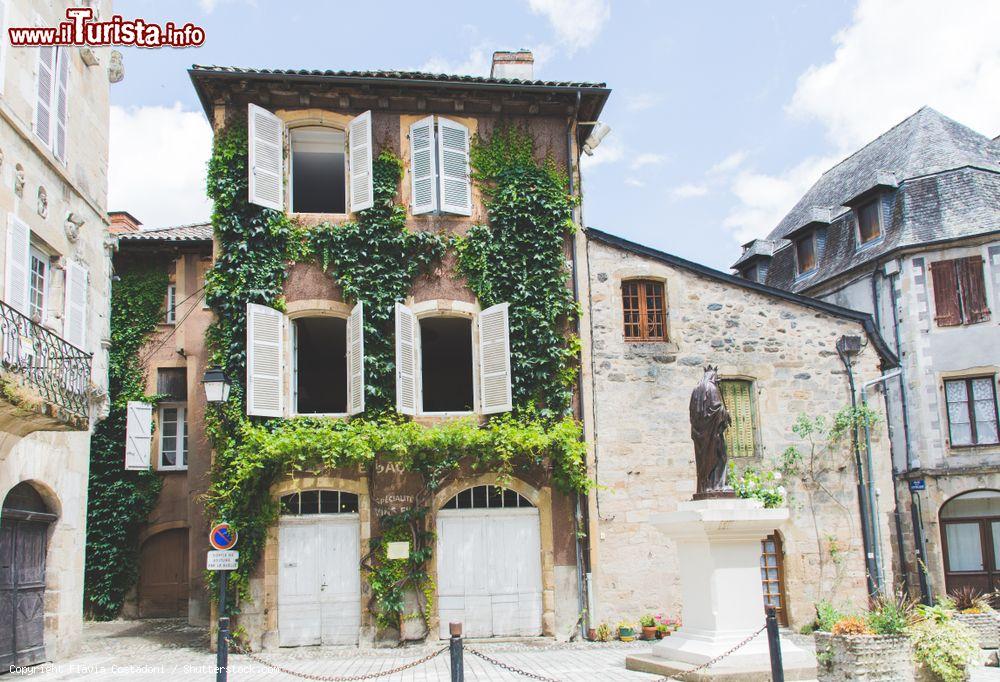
(216, 393)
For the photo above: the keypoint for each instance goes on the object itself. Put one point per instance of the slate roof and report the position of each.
(195, 232)
(941, 182)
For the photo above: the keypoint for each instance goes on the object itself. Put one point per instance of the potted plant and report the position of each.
(603, 633)
(648, 624)
(662, 630)
(972, 608)
(626, 631)
(869, 646)
(943, 647)
(664, 626)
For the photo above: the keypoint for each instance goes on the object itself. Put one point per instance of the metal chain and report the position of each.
(718, 658)
(509, 668)
(334, 678)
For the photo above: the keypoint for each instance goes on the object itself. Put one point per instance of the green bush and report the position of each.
(944, 646)
(890, 615)
(827, 615)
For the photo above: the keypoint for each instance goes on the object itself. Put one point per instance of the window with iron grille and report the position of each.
(972, 411)
(741, 436)
(644, 310)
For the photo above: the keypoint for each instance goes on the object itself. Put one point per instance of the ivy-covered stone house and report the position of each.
(393, 300)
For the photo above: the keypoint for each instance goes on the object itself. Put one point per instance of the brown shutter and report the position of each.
(946, 304)
(971, 281)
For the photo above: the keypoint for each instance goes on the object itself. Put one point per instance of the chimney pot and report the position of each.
(518, 64)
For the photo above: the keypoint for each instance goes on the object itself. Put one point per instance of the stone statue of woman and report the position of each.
(709, 421)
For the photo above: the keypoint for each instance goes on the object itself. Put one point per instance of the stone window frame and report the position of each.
(304, 118)
(297, 310)
(758, 445)
(441, 307)
(968, 375)
(644, 280)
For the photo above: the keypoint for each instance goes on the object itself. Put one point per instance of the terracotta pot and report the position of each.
(592, 634)
(649, 632)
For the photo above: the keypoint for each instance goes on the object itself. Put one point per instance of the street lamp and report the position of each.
(216, 385)
(217, 392)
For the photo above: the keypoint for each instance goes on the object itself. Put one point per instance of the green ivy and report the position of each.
(391, 578)
(119, 501)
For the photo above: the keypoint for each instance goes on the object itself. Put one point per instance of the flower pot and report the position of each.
(626, 634)
(649, 632)
(660, 634)
(592, 634)
(873, 658)
(986, 625)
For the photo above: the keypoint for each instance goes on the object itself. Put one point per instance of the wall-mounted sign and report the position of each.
(918, 484)
(397, 550)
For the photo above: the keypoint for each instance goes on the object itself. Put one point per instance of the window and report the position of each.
(171, 382)
(38, 278)
(970, 534)
(319, 502)
(318, 170)
(869, 222)
(51, 98)
(805, 255)
(644, 310)
(972, 411)
(772, 576)
(741, 436)
(487, 497)
(320, 363)
(446, 364)
(171, 316)
(173, 437)
(959, 291)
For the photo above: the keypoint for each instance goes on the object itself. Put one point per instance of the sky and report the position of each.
(722, 114)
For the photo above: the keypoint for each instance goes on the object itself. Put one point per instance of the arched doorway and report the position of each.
(489, 563)
(163, 575)
(970, 538)
(24, 526)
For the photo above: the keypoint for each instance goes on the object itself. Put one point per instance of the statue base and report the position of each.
(718, 546)
(724, 494)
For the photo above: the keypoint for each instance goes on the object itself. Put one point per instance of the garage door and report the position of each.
(319, 584)
(489, 564)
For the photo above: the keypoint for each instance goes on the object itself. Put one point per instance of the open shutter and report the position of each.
(453, 161)
(264, 381)
(406, 360)
(62, 107)
(267, 160)
(423, 170)
(43, 93)
(75, 305)
(947, 312)
(138, 434)
(360, 142)
(356, 360)
(973, 286)
(494, 360)
(16, 264)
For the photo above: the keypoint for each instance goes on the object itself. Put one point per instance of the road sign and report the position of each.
(918, 484)
(222, 537)
(223, 560)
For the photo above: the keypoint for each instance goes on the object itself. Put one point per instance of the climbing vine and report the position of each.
(119, 501)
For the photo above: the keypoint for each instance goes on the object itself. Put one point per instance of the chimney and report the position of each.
(122, 222)
(518, 65)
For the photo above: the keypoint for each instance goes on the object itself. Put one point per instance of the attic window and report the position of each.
(446, 364)
(805, 254)
(869, 222)
(317, 182)
(320, 365)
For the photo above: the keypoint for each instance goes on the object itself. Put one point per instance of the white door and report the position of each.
(489, 572)
(319, 583)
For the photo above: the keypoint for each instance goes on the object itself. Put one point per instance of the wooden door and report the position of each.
(163, 575)
(22, 591)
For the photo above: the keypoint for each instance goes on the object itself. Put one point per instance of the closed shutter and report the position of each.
(406, 360)
(43, 93)
(423, 167)
(453, 164)
(740, 437)
(264, 343)
(973, 287)
(62, 102)
(138, 434)
(947, 312)
(266, 162)
(494, 359)
(16, 263)
(356, 360)
(360, 144)
(75, 305)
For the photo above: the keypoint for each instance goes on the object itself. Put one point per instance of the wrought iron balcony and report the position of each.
(44, 362)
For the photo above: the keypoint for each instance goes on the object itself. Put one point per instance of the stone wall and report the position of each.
(643, 455)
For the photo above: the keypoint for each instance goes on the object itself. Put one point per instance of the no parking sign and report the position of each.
(222, 536)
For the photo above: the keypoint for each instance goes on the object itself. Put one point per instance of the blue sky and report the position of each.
(722, 113)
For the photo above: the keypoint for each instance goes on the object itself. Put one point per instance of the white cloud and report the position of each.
(688, 190)
(634, 182)
(476, 63)
(576, 23)
(157, 166)
(641, 101)
(208, 6)
(728, 164)
(898, 55)
(610, 151)
(647, 159)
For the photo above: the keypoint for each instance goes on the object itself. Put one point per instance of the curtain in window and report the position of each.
(965, 550)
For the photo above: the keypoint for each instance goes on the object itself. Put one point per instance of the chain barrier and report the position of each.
(332, 678)
(509, 668)
(706, 664)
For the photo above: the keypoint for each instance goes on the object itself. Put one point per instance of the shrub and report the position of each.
(826, 615)
(945, 646)
(851, 625)
(969, 600)
(890, 615)
(603, 632)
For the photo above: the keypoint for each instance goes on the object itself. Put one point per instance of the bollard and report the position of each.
(774, 646)
(457, 671)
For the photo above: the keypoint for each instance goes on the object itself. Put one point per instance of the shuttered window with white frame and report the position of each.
(61, 103)
(75, 305)
(265, 385)
(359, 134)
(453, 167)
(356, 360)
(423, 167)
(494, 359)
(16, 264)
(266, 158)
(406, 360)
(138, 434)
(44, 88)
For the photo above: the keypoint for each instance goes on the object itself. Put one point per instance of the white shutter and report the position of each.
(75, 305)
(356, 360)
(494, 360)
(264, 343)
(406, 360)
(62, 102)
(453, 162)
(138, 434)
(43, 93)
(265, 137)
(360, 142)
(423, 171)
(16, 264)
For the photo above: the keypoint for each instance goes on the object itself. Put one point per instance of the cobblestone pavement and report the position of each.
(172, 650)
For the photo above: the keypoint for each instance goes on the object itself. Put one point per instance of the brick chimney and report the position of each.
(519, 65)
(122, 222)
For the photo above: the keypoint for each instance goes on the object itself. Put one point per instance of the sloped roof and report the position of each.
(194, 232)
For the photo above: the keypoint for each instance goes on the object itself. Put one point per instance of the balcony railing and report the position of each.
(57, 369)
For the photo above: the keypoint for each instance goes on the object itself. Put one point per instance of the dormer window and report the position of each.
(805, 254)
(869, 222)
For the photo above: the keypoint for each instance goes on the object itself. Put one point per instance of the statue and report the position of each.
(19, 180)
(709, 421)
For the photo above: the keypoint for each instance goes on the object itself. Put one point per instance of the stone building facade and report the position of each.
(54, 117)
(781, 350)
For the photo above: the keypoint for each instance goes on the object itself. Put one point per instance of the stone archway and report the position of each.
(970, 541)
